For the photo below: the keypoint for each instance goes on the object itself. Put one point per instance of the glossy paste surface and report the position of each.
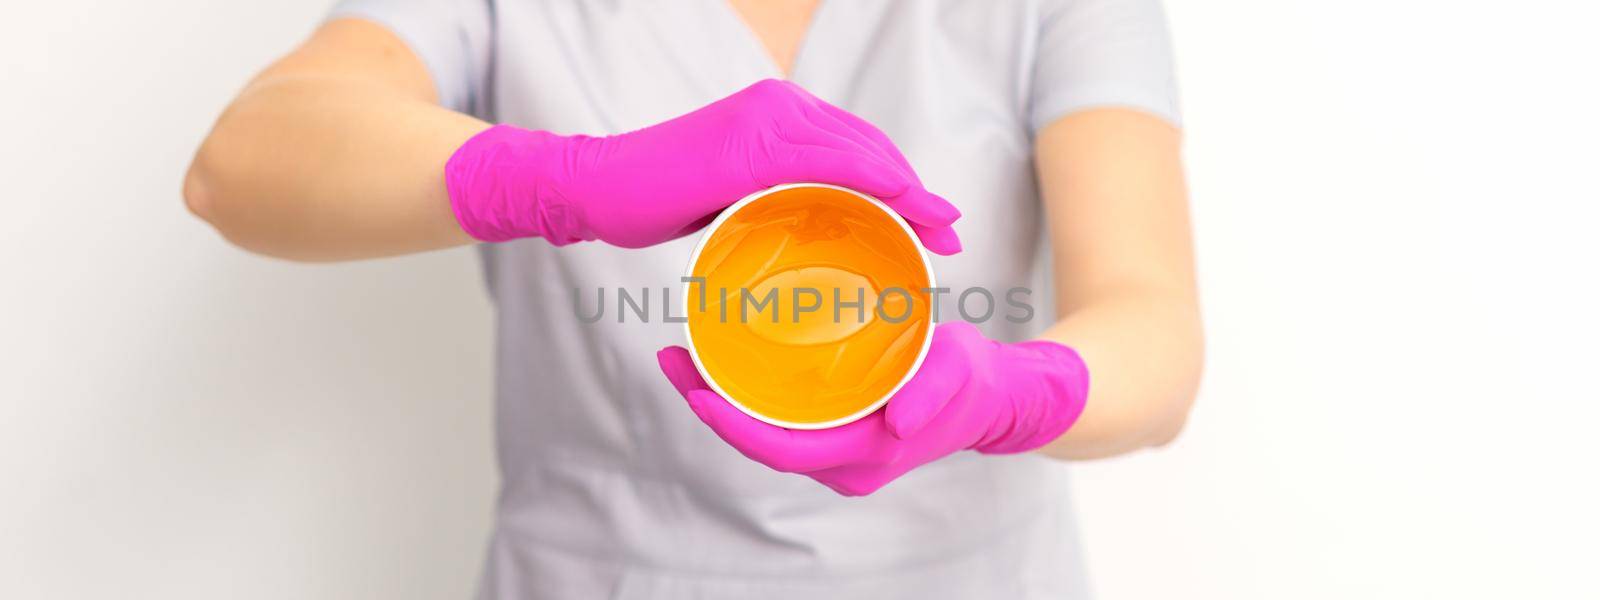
(813, 306)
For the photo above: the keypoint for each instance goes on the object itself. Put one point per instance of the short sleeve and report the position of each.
(1102, 53)
(452, 37)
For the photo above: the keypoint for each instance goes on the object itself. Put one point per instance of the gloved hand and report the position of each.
(668, 180)
(970, 393)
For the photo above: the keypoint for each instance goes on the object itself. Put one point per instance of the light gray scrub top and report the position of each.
(611, 488)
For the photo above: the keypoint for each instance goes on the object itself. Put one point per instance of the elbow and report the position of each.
(207, 195)
(212, 189)
(208, 200)
(197, 193)
(1177, 416)
(1169, 430)
(229, 187)
(1175, 420)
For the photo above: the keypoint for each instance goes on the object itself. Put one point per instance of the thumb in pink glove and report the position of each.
(971, 393)
(656, 184)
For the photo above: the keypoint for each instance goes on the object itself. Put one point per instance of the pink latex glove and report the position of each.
(652, 185)
(971, 393)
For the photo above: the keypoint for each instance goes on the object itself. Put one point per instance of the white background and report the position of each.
(1397, 212)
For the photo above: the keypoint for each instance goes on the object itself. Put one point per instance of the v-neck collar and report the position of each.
(759, 49)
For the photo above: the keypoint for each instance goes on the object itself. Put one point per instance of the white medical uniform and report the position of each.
(611, 487)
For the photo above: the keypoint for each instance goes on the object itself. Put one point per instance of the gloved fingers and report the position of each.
(868, 174)
(914, 204)
(693, 226)
(828, 132)
(938, 240)
(867, 130)
(842, 120)
(945, 370)
(828, 483)
(679, 368)
(919, 205)
(827, 121)
(781, 449)
(856, 480)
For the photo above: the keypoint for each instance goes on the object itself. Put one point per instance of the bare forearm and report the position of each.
(1143, 348)
(1125, 282)
(318, 162)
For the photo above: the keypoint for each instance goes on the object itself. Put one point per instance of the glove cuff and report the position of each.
(502, 186)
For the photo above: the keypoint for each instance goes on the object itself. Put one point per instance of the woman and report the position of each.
(1035, 121)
